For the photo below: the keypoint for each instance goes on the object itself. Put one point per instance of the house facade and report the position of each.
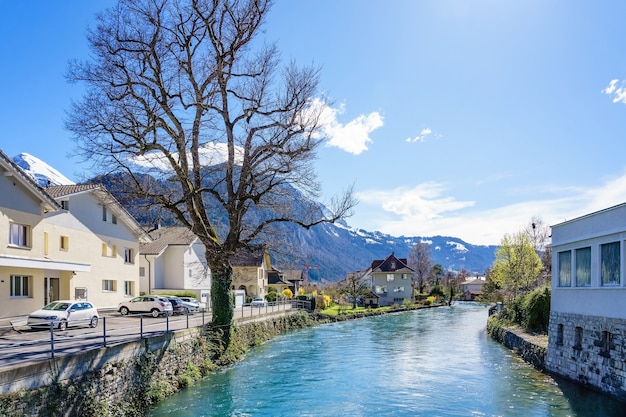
(93, 227)
(52, 244)
(251, 270)
(587, 331)
(174, 261)
(390, 280)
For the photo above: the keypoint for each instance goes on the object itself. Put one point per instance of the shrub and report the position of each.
(536, 310)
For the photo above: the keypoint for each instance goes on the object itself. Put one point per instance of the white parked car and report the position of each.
(64, 313)
(190, 304)
(153, 304)
(258, 302)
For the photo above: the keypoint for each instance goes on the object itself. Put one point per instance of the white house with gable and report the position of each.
(174, 262)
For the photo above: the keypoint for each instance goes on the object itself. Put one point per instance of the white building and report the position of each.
(66, 242)
(174, 262)
(588, 308)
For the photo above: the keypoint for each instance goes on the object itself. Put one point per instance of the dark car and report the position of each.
(177, 305)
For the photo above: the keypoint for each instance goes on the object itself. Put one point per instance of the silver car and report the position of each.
(190, 304)
(153, 304)
(64, 313)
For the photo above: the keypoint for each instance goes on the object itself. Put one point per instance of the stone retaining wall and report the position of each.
(125, 380)
(589, 350)
(529, 351)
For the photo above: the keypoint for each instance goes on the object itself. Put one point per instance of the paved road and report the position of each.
(25, 345)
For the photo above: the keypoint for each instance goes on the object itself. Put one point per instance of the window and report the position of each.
(65, 204)
(610, 263)
(80, 293)
(142, 271)
(20, 286)
(380, 289)
(113, 219)
(398, 289)
(65, 243)
(578, 338)
(559, 335)
(128, 288)
(565, 269)
(104, 214)
(405, 276)
(389, 277)
(583, 267)
(109, 250)
(129, 256)
(108, 285)
(19, 235)
(605, 344)
(393, 265)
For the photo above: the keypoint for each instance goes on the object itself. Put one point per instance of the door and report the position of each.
(51, 289)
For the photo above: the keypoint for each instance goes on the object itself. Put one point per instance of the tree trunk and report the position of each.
(221, 295)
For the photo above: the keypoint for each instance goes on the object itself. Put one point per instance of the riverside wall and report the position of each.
(127, 379)
(532, 351)
(589, 350)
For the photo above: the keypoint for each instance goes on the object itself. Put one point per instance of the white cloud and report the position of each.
(423, 135)
(618, 93)
(425, 210)
(421, 203)
(352, 137)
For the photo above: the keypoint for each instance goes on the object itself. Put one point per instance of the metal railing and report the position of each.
(20, 343)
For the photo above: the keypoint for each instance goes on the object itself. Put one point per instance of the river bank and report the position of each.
(532, 348)
(127, 380)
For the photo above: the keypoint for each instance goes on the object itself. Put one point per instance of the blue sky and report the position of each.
(451, 118)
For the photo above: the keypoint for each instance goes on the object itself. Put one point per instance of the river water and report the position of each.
(431, 362)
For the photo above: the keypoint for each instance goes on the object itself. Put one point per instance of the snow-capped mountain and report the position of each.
(332, 250)
(41, 172)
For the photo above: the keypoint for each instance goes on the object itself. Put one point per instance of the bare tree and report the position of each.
(354, 286)
(421, 263)
(539, 234)
(184, 89)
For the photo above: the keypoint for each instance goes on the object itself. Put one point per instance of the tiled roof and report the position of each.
(391, 263)
(292, 274)
(247, 257)
(58, 191)
(166, 236)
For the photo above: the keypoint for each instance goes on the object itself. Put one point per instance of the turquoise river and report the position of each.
(430, 362)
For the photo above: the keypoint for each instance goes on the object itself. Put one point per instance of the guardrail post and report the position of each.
(141, 326)
(167, 322)
(187, 315)
(104, 330)
(52, 340)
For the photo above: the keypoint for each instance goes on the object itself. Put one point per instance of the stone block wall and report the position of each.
(590, 350)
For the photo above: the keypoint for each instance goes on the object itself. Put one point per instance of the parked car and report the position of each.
(177, 304)
(64, 313)
(153, 304)
(258, 302)
(191, 304)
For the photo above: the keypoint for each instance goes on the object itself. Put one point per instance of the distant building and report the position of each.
(587, 331)
(390, 280)
(472, 288)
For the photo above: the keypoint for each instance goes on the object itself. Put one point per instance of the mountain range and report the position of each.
(327, 252)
